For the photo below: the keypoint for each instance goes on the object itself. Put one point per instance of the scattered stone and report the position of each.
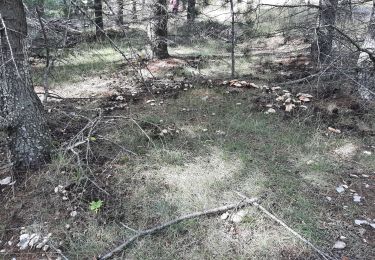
(34, 238)
(6, 181)
(367, 152)
(340, 189)
(238, 104)
(339, 245)
(342, 237)
(328, 198)
(24, 241)
(224, 216)
(220, 132)
(270, 111)
(309, 162)
(2, 251)
(365, 176)
(354, 175)
(150, 101)
(360, 222)
(204, 129)
(45, 248)
(73, 213)
(357, 198)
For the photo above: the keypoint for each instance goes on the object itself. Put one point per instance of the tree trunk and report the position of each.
(160, 45)
(232, 40)
(191, 12)
(134, 9)
(366, 67)
(120, 12)
(322, 48)
(99, 25)
(21, 112)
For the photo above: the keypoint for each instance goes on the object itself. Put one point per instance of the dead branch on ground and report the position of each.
(156, 229)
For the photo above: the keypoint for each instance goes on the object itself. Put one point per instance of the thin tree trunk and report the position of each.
(232, 40)
(98, 11)
(160, 45)
(120, 12)
(191, 12)
(21, 112)
(322, 48)
(134, 9)
(366, 68)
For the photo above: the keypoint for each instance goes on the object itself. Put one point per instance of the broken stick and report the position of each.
(153, 230)
(321, 253)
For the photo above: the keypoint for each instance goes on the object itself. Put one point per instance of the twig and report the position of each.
(325, 256)
(143, 131)
(156, 229)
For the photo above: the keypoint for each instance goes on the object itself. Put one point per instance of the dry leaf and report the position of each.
(304, 99)
(334, 130)
(289, 107)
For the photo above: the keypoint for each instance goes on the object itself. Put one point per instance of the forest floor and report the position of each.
(190, 141)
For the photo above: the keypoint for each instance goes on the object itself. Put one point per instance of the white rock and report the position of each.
(328, 198)
(150, 101)
(340, 189)
(357, 198)
(342, 237)
(270, 111)
(24, 241)
(367, 152)
(224, 216)
(372, 225)
(365, 176)
(34, 238)
(45, 248)
(359, 222)
(73, 213)
(44, 241)
(6, 181)
(339, 245)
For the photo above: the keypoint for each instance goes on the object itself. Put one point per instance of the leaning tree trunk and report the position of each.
(190, 12)
(21, 112)
(160, 30)
(322, 48)
(99, 25)
(366, 63)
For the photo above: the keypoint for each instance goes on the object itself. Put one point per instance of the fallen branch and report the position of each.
(325, 256)
(156, 229)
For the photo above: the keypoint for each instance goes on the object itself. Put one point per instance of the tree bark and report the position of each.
(98, 12)
(160, 44)
(322, 48)
(21, 112)
(191, 12)
(120, 12)
(366, 68)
